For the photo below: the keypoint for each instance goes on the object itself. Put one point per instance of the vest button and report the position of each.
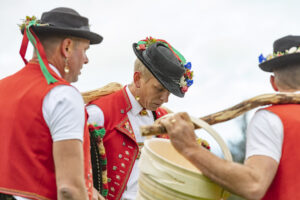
(112, 189)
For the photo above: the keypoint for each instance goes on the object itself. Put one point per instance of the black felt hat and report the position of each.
(68, 22)
(164, 66)
(286, 52)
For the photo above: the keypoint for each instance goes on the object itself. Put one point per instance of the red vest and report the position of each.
(26, 161)
(286, 185)
(119, 140)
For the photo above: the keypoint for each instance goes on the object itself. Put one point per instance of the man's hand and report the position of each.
(181, 131)
(96, 195)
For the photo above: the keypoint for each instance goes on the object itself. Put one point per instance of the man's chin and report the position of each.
(154, 108)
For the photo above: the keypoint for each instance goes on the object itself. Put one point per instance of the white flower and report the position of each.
(182, 82)
(270, 56)
(292, 50)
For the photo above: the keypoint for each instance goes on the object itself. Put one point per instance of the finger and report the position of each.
(167, 122)
(101, 197)
(185, 116)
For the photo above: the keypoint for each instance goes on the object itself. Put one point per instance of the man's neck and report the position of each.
(54, 62)
(132, 89)
(290, 90)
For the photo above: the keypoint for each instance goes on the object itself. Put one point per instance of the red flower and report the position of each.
(184, 89)
(142, 47)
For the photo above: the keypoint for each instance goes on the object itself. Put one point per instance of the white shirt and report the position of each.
(136, 120)
(265, 135)
(63, 111)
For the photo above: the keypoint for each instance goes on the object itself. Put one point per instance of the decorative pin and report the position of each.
(143, 112)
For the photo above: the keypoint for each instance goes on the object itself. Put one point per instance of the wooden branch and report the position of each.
(103, 91)
(233, 112)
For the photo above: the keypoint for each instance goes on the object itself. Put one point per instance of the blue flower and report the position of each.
(189, 82)
(261, 58)
(188, 65)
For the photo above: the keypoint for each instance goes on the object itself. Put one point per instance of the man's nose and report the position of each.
(86, 60)
(165, 96)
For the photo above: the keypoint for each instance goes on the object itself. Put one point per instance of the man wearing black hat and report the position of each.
(159, 70)
(270, 171)
(44, 146)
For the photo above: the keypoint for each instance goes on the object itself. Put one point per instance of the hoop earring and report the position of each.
(66, 69)
(137, 97)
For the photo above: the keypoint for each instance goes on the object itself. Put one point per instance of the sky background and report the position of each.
(222, 39)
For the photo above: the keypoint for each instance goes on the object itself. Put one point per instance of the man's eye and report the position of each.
(160, 89)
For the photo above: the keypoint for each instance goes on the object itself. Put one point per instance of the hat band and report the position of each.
(56, 25)
(65, 20)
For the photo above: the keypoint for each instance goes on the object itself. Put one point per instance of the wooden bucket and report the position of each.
(167, 175)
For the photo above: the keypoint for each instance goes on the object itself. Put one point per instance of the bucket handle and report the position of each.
(219, 140)
(225, 150)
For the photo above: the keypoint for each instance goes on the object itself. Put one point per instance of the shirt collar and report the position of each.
(55, 70)
(136, 107)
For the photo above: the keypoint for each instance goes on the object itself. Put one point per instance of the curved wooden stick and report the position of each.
(233, 112)
(100, 92)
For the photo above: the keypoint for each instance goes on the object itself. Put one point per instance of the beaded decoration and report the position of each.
(98, 133)
(203, 143)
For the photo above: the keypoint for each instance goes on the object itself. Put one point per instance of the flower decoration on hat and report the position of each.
(187, 79)
(27, 20)
(292, 50)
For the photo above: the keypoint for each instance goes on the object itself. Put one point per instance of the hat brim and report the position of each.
(94, 38)
(279, 62)
(170, 84)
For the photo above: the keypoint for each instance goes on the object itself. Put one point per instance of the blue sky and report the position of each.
(222, 39)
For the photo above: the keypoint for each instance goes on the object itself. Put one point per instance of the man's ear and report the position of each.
(272, 81)
(137, 76)
(66, 47)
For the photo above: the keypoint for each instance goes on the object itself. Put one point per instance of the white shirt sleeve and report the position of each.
(265, 135)
(63, 111)
(96, 115)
